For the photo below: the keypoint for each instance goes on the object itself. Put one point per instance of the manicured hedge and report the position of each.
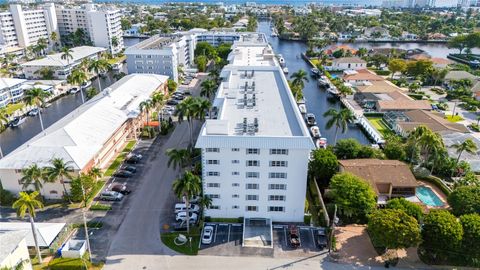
(66, 264)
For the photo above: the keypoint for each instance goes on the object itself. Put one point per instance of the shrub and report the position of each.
(323, 165)
(471, 237)
(100, 207)
(465, 200)
(6, 197)
(410, 208)
(347, 148)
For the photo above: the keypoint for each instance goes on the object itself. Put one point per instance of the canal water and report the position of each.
(315, 98)
(12, 138)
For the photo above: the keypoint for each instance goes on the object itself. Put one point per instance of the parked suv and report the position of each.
(110, 196)
(123, 174)
(181, 216)
(121, 188)
(181, 207)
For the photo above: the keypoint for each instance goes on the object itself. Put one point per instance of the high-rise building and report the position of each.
(255, 145)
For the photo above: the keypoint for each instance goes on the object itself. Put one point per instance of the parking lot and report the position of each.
(227, 241)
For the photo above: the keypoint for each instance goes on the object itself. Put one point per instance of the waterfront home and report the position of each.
(90, 136)
(436, 36)
(405, 122)
(456, 75)
(61, 67)
(402, 105)
(440, 63)
(134, 30)
(369, 100)
(451, 138)
(330, 50)
(14, 252)
(388, 178)
(409, 36)
(377, 87)
(11, 91)
(344, 63)
(376, 32)
(355, 77)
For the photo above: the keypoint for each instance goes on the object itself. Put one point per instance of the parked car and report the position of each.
(321, 238)
(33, 112)
(130, 168)
(172, 102)
(207, 235)
(86, 84)
(110, 196)
(293, 236)
(131, 154)
(181, 216)
(132, 160)
(181, 207)
(123, 174)
(121, 188)
(187, 93)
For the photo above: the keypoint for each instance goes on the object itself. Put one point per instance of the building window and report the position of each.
(253, 151)
(235, 173)
(277, 186)
(277, 175)
(214, 207)
(252, 174)
(253, 163)
(213, 185)
(213, 161)
(213, 196)
(235, 206)
(251, 197)
(213, 173)
(235, 149)
(235, 196)
(252, 186)
(212, 150)
(278, 163)
(235, 185)
(278, 151)
(235, 161)
(252, 208)
(276, 209)
(276, 198)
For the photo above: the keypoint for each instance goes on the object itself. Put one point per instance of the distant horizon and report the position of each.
(376, 3)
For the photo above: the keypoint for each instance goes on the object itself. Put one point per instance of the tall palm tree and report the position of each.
(78, 77)
(145, 106)
(33, 175)
(186, 187)
(430, 142)
(414, 137)
(178, 157)
(299, 78)
(99, 66)
(95, 173)
(36, 96)
(468, 146)
(340, 119)
(205, 202)
(114, 42)
(27, 204)
(202, 105)
(208, 88)
(60, 170)
(67, 54)
(54, 38)
(41, 45)
(187, 109)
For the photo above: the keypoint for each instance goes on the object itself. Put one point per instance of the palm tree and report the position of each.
(3, 118)
(78, 77)
(205, 202)
(208, 88)
(99, 66)
(54, 38)
(414, 138)
(36, 96)
(67, 54)
(33, 175)
(202, 105)
(299, 78)
(60, 170)
(438, 75)
(468, 146)
(41, 45)
(145, 106)
(187, 109)
(178, 157)
(114, 42)
(186, 187)
(430, 142)
(28, 203)
(95, 173)
(340, 119)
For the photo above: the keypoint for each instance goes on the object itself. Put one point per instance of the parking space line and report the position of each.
(313, 238)
(215, 236)
(228, 236)
(285, 232)
(201, 236)
(237, 225)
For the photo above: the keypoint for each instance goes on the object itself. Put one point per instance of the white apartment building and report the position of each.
(255, 149)
(10, 90)
(21, 27)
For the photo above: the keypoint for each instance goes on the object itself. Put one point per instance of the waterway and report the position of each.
(315, 98)
(12, 138)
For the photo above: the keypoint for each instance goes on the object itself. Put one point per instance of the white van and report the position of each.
(181, 207)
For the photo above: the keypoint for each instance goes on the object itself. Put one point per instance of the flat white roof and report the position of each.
(9, 241)
(56, 59)
(81, 134)
(9, 82)
(46, 232)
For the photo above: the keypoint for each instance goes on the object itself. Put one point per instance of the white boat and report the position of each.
(273, 34)
(17, 121)
(315, 71)
(321, 143)
(322, 82)
(281, 61)
(310, 118)
(315, 131)
(285, 70)
(333, 91)
(302, 108)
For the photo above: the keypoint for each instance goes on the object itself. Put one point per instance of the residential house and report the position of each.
(388, 178)
(344, 63)
(356, 77)
(14, 251)
(456, 75)
(376, 32)
(46, 232)
(440, 63)
(402, 105)
(330, 50)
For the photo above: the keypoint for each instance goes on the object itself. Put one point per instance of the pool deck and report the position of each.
(442, 196)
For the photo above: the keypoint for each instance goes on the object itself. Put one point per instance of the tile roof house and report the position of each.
(402, 105)
(344, 63)
(354, 77)
(377, 87)
(390, 178)
(440, 62)
(334, 48)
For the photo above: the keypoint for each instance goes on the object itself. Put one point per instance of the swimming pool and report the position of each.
(428, 197)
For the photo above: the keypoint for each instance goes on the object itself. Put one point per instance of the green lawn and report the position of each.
(117, 60)
(453, 118)
(67, 263)
(168, 240)
(119, 160)
(11, 108)
(380, 125)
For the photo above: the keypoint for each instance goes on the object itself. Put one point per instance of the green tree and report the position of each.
(3, 118)
(187, 109)
(412, 209)
(33, 175)
(201, 62)
(99, 66)
(468, 146)
(354, 196)
(67, 54)
(171, 85)
(46, 73)
(323, 165)
(78, 77)
(208, 88)
(469, 179)
(471, 236)
(438, 75)
(60, 170)
(419, 68)
(186, 187)
(339, 119)
(393, 229)
(299, 78)
(95, 173)
(80, 184)
(204, 48)
(91, 92)
(27, 204)
(397, 65)
(115, 42)
(347, 149)
(465, 200)
(441, 235)
(394, 149)
(178, 158)
(252, 24)
(36, 96)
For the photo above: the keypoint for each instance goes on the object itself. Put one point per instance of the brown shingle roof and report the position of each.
(363, 75)
(349, 60)
(378, 87)
(377, 171)
(403, 105)
(433, 121)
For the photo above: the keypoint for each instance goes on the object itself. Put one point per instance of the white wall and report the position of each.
(18, 255)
